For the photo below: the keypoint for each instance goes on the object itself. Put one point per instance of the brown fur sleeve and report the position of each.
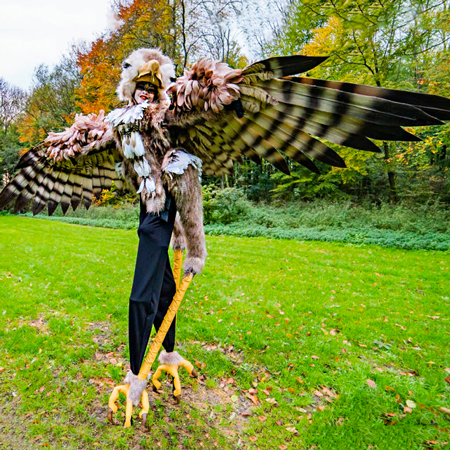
(178, 240)
(187, 191)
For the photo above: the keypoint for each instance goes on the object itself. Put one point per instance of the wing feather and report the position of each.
(66, 168)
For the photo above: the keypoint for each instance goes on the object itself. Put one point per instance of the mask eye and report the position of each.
(125, 65)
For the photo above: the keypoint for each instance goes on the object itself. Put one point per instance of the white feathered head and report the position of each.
(136, 67)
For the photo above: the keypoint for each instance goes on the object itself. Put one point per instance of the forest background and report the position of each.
(393, 44)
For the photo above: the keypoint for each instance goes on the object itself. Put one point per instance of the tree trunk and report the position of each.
(393, 195)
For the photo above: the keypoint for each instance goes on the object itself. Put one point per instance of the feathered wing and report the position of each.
(221, 114)
(66, 168)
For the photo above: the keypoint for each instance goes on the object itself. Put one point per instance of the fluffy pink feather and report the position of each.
(81, 137)
(208, 85)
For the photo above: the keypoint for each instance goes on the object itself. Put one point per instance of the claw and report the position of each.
(112, 409)
(144, 422)
(172, 369)
(110, 417)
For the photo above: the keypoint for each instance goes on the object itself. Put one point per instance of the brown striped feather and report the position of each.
(42, 194)
(77, 190)
(369, 109)
(434, 105)
(275, 119)
(260, 145)
(57, 191)
(281, 66)
(300, 142)
(296, 115)
(87, 191)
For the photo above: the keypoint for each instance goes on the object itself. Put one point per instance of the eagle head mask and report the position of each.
(145, 64)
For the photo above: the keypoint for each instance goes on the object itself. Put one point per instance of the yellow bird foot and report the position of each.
(134, 389)
(170, 363)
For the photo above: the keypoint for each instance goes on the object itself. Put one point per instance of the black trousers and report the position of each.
(153, 285)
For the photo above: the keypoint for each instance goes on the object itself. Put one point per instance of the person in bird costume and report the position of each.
(169, 133)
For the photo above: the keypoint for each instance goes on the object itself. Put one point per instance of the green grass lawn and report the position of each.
(300, 345)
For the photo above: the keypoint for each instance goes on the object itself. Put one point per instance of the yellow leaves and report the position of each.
(326, 39)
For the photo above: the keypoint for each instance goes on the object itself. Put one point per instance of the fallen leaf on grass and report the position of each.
(272, 401)
(447, 379)
(292, 429)
(318, 393)
(314, 357)
(410, 404)
(328, 392)
(253, 398)
(262, 418)
(407, 410)
(334, 332)
(444, 410)
(371, 383)
(253, 438)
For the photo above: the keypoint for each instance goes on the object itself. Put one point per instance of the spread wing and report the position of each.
(221, 114)
(66, 168)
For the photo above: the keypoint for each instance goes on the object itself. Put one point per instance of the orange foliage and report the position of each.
(142, 23)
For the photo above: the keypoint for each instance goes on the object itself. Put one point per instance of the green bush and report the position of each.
(225, 205)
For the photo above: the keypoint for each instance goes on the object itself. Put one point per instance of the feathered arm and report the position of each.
(66, 168)
(87, 133)
(182, 174)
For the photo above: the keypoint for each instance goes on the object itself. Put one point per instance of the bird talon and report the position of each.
(110, 417)
(170, 363)
(125, 389)
(144, 422)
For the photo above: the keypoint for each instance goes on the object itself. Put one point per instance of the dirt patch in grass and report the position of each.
(100, 332)
(13, 429)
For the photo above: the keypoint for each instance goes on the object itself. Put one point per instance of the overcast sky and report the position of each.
(33, 32)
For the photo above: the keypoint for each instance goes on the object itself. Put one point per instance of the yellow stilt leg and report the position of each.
(177, 265)
(170, 315)
(151, 355)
